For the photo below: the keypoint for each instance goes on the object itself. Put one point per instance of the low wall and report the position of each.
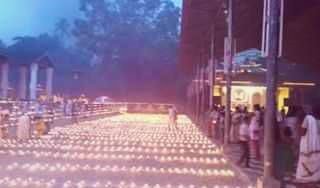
(148, 108)
(94, 111)
(12, 130)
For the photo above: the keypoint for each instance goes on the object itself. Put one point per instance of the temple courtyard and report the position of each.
(123, 151)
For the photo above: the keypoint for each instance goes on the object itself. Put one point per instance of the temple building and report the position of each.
(203, 33)
(298, 84)
(249, 84)
(21, 80)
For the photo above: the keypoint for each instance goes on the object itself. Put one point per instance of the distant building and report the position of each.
(296, 82)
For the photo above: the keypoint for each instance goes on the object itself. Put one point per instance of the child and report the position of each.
(40, 127)
(244, 138)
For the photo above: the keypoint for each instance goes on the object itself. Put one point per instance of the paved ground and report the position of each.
(124, 151)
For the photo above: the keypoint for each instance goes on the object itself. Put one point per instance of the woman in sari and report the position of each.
(236, 121)
(309, 156)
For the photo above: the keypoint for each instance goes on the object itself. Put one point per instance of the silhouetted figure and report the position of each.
(172, 125)
(23, 127)
(244, 138)
(254, 128)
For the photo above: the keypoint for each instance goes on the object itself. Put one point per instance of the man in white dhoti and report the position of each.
(254, 129)
(236, 121)
(309, 166)
(172, 118)
(23, 127)
(68, 108)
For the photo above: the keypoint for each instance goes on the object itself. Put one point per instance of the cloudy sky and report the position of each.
(31, 17)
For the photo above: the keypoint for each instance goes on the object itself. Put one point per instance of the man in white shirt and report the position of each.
(172, 118)
(244, 137)
(254, 129)
(23, 127)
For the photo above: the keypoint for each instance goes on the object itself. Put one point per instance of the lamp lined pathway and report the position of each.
(125, 151)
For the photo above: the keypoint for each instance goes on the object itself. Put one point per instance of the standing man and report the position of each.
(74, 111)
(214, 120)
(244, 138)
(172, 119)
(235, 123)
(23, 129)
(254, 128)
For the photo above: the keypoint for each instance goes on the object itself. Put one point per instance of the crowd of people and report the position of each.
(297, 138)
(39, 113)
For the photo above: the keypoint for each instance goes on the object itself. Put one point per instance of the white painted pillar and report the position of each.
(33, 81)
(4, 80)
(49, 81)
(23, 71)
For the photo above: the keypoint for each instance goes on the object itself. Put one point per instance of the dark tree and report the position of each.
(67, 60)
(26, 49)
(134, 42)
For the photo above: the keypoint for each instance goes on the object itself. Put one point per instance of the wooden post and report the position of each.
(272, 78)
(264, 22)
(281, 19)
(189, 99)
(4, 80)
(23, 82)
(49, 81)
(197, 93)
(194, 94)
(211, 68)
(229, 73)
(33, 81)
(201, 89)
(211, 86)
(203, 93)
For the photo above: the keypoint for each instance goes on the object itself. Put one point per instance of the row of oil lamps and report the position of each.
(81, 143)
(107, 138)
(154, 133)
(94, 156)
(133, 137)
(120, 149)
(61, 168)
(42, 183)
(115, 142)
(93, 144)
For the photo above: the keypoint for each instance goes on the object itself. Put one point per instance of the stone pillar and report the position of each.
(23, 71)
(4, 80)
(49, 81)
(33, 81)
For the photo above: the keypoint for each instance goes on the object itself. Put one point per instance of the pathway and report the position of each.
(125, 151)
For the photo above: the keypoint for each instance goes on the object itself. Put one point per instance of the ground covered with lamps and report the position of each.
(125, 151)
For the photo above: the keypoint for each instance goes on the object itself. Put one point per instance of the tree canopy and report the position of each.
(131, 40)
(122, 46)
